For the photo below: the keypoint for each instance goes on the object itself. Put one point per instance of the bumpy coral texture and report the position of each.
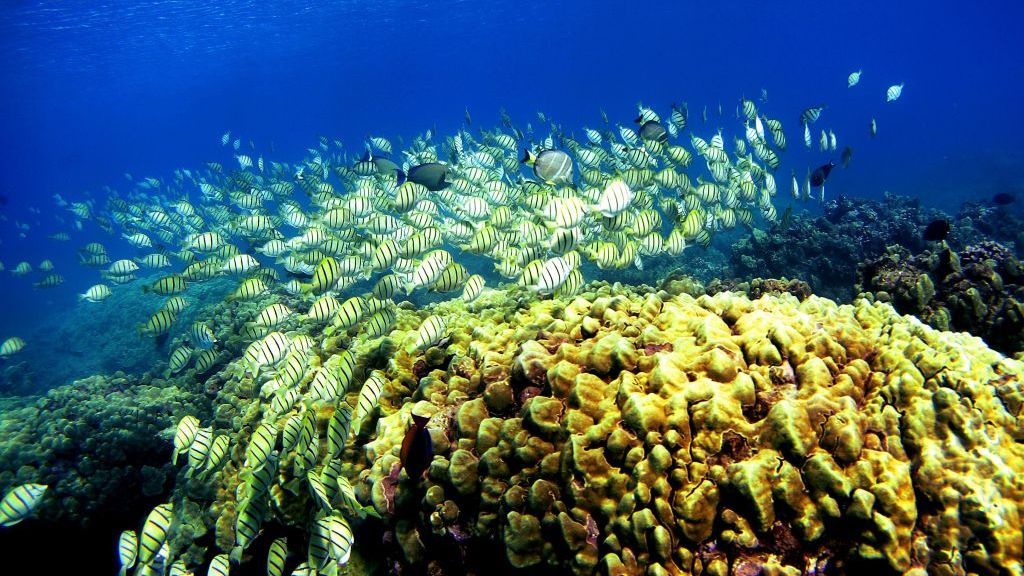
(979, 290)
(99, 445)
(631, 433)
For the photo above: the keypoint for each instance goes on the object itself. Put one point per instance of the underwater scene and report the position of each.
(440, 288)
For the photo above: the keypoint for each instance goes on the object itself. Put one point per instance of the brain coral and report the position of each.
(627, 432)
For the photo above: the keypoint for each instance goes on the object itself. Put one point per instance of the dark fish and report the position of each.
(417, 448)
(430, 175)
(653, 131)
(785, 217)
(937, 230)
(846, 155)
(821, 173)
(1001, 199)
(469, 119)
(384, 165)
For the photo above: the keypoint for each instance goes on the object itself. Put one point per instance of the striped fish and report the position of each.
(159, 323)
(323, 308)
(474, 286)
(178, 568)
(249, 289)
(318, 491)
(220, 565)
(205, 361)
(261, 444)
(217, 453)
(19, 502)
(428, 270)
(199, 448)
(325, 276)
(179, 359)
(338, 429)
(201, 336)
(430, 333)
(340, 539)
(184, 435)
(325, 385)
(167, 285)
(893, 92)
(386, 287)
(290, 432)
(12, 345)
(127, 550)
(552, 274)
(247, 524)
(369, 397)
(380, 323)
(273, 315)
(277, 554)
(349, 313)
(154, 533)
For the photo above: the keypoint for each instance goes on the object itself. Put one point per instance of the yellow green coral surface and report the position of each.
(713, 435)
(642, 432)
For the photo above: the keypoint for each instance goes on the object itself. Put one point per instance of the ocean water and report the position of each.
(95, 96)
(91, 91)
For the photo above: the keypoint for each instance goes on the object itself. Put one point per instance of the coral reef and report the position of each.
(758, 287)
(824, 251)
(628, 430)
(976, 221)
(631, 431)
(979, 289)
(99, 443)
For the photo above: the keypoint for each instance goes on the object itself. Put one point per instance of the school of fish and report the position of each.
(350, 235)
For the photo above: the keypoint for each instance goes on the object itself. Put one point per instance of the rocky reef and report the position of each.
(979, 289)
(824, 251)
(976, 221)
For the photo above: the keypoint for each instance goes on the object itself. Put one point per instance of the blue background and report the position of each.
(88, 92)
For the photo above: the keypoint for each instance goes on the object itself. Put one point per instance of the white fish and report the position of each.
(431, 331)
(616, 198)
(552, 275)
(807, 136)
(894, 92)
(853, 79)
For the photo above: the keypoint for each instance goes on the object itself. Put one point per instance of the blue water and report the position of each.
(92, 90)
